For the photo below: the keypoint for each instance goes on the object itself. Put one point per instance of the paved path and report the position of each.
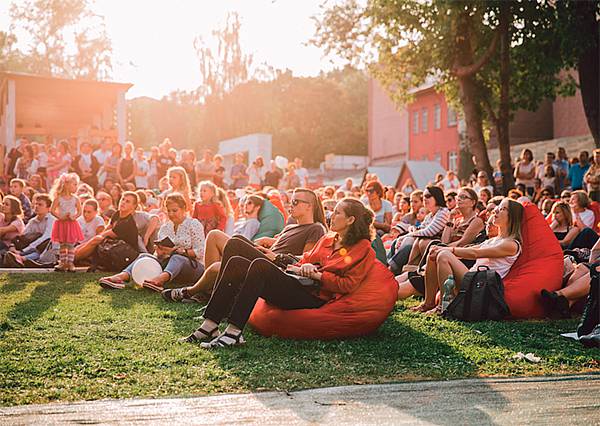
(552, 400)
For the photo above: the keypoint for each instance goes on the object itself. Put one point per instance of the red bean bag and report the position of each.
(352, 315)
(540, 266)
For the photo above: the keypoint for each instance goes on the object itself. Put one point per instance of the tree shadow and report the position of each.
(287, 365)
(42, 298)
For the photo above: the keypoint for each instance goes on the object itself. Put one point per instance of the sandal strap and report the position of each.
(204, 335)
(237, 339)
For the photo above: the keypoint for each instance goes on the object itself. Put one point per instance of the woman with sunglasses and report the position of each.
(339, 263)
(498, 254)
(381, 207)
(462, 231)
(295, 239)
(431, 228)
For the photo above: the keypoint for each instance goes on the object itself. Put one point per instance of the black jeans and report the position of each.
(238, 246)
(243, 281)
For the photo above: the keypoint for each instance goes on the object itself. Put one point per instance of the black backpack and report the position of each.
(481, 297)
(114, 255)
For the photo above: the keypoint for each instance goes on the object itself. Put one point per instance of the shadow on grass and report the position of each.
(396, 351)
(43, 297)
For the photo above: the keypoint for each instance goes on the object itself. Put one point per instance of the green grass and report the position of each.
(62, 338)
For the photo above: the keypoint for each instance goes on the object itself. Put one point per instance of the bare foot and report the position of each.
(422, 307)
(437, 310)
(120, 278)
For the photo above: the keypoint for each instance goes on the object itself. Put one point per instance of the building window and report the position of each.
(453, 161)
(424, 119)
(415, 123)
(451, 117)
(437, 117)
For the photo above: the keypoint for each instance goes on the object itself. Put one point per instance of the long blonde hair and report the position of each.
(178, 170)
(60, 184)
(224, 199)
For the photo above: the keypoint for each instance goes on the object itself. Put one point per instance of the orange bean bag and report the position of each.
(540, 266)
(352, 315)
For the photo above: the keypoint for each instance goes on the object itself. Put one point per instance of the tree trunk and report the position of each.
(469, 95)
(469, 99)
(503, 121)
(588, 66)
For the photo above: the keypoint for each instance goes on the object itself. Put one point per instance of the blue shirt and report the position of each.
(576, 173)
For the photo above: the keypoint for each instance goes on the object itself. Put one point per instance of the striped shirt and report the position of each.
(433, 225)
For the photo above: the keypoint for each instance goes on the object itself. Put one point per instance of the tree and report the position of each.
(456, 43)
(67, 39)
(225, 66)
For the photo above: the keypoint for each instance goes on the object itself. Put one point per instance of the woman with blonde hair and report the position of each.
(562, 224)
(498, 254)
(209, 209)
(179, 183)
(224, 199)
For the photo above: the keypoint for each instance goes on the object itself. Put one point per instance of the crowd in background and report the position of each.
(68, 205)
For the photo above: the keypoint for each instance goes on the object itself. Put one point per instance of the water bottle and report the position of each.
(448, 292)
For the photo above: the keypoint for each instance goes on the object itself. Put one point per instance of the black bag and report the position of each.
(115, 255)
(306, 282)
(22, 241)
(481, 297)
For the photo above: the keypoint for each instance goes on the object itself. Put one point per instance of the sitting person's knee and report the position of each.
(259, 265)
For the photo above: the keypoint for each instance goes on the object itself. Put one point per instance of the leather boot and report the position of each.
(592, 340)
(591, 311)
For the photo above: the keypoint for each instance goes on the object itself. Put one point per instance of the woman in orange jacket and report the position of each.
(337, 265)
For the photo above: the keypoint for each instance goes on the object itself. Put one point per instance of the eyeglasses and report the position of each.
(297, 201)
(464, 197)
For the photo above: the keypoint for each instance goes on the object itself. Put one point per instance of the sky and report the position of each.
(153, 39)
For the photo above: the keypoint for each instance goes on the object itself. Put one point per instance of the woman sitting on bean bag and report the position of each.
(498, 253)
(339, 262)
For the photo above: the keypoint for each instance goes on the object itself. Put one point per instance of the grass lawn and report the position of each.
(63, 338)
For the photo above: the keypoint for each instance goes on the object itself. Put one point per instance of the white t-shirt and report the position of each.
(525, 169)
(386, 207)
(302, 174)
(587, 217)
(101, 156)
(501, 265)
(89, 228)
(142, 181)
(450, 184)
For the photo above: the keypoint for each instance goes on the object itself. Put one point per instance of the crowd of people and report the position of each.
(266, 235)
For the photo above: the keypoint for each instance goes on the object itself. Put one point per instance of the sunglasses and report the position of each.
(427, 195)
(464, 197)
(296, 201)
(370, 190)
(547, 194)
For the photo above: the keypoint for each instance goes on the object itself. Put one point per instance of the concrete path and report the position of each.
(551, 400)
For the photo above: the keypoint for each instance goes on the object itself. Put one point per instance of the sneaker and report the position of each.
(107, 284)
(173, 294)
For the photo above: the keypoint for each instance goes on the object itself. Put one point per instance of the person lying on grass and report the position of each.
(337, 265)
(498, 254)
(295, 239)
(180, 260)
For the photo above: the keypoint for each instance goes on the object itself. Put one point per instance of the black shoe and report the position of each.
(555, 305)
(591, 311)
(592, 340)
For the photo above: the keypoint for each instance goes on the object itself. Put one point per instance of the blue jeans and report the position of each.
(180, 269)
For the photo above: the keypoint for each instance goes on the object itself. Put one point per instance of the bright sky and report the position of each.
(153, 39)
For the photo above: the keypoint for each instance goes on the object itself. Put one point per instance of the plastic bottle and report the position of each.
(448, 289)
